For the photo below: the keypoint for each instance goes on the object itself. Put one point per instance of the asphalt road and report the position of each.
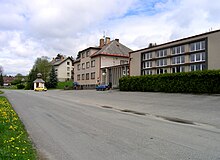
(113, 125)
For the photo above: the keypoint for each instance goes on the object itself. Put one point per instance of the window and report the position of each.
(161, 71)
(83, 55)
(83, 65)
(178, 50)
(147, 56)
(68, 63)
(178, 69)
(197, 67)
(87, 64)
(78, 66)
(147, 72)
(197, 46)
(68, 68)
(78, 77)
(93, 75)
(93, 63)
(178, 60)
(161, 62)
(161, 53)
(83, 76)
(68, 74)
(87, 76)
(87, 53)
(197, 57)
(147, 64)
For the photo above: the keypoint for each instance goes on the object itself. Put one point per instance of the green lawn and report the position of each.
(14, 141)
(61, 85)
(1, 92)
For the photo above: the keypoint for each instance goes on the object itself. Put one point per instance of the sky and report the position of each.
(34, 28)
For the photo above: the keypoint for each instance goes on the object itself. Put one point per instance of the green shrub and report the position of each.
(62, 85)
(20, 86)
(187, 82)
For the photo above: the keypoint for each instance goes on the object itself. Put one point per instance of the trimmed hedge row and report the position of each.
(187, 82)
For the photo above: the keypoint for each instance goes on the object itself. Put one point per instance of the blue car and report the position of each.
(102, 87)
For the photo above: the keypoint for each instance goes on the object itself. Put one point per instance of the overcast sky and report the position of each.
(35, 28)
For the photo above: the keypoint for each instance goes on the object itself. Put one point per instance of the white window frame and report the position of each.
(182, 69)
(198, 57)
(93, 63)
(197, 46)
(147, 64)
(161, 53)
(161, 62)
(178, 49)
(193, 67)
(178, 60)
(147, 56)
(93, 75)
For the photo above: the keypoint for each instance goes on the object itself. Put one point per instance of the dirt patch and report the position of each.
(108, 107)
(134, 112)
(177, 120)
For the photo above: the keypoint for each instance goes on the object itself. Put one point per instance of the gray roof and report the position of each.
(114, 48)
(39, 81)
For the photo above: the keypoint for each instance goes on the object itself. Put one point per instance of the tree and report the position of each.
(1, 70)
(53, 78)
(1, 80)
(18, 79)
(41, 65)
(1, 76)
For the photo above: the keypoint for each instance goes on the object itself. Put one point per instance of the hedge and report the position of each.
(187, 82)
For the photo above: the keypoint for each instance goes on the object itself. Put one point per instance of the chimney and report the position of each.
(117, 40)
(101, 43)
(107, 40)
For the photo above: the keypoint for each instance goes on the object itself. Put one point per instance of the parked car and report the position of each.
(102, 87)
(40, 89)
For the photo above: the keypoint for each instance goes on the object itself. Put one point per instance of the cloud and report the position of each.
(31, 29)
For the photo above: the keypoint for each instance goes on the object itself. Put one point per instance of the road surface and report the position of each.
(113, 125)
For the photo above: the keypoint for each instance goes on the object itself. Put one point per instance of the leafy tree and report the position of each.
(1, 80)
(53, 78)
(17, 80)
(41, 65)
(44, 67)
(31, 78)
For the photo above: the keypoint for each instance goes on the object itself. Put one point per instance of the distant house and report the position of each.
(93, 65)
(63, 67)
(8, 80)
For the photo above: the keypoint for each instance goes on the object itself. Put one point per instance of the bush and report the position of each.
(187, 82)
(20, 86)
(62, 85)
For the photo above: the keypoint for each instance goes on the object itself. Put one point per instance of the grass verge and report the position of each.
(1, 92)
(61, 85)
(14, 141)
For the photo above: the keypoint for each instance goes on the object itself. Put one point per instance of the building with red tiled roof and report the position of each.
(91, 66)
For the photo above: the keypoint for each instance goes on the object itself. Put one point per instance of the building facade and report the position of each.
(63, 68)
(200, 52)
(91, 66)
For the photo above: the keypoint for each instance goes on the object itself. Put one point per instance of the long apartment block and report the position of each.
(199, 52)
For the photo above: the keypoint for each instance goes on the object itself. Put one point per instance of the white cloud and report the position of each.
(30, 29)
